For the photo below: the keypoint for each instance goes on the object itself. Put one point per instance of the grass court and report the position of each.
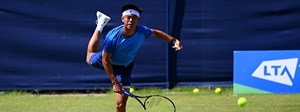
(186, 101)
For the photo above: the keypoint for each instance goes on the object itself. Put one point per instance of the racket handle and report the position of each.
(127, 93)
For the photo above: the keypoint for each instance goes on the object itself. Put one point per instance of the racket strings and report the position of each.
(153, 102)
(159, 104)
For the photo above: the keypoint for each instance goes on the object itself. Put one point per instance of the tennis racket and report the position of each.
(154, 103)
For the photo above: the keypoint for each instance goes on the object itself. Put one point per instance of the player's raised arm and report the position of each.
(168, 38)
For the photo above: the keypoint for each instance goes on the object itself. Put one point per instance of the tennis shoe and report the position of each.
(102, 20)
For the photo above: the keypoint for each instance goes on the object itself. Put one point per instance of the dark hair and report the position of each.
(131, 6)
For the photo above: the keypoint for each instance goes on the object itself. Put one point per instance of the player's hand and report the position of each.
(117, 88)
(177, 45)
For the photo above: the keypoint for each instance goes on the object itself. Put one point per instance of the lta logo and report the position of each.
(279, 71)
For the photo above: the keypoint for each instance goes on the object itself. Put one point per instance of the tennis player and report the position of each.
(120, 47)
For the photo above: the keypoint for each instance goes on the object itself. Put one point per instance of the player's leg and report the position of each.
(94, 42)
(125, 80)
(93, 45)
(121, 101)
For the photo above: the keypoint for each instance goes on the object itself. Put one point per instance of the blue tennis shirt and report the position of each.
(124, 49)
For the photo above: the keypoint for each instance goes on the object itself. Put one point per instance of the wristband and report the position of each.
(173, 40)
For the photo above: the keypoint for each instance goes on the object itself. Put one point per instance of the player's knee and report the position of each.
(87, 60)
(121, 106)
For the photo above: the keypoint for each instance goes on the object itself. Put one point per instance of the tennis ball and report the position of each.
(242, 101)
(131, 90)
(218, 90)
(196, 90)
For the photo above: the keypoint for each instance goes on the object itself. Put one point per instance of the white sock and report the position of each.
(100, 27)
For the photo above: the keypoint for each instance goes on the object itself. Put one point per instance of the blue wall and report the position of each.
(213, 29)
(43, 43)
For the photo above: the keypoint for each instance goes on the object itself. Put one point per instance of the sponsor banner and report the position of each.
(266, 72)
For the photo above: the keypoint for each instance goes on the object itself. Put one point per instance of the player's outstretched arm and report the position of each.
(168, 38)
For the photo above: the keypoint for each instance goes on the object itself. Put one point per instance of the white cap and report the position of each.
(131, 11)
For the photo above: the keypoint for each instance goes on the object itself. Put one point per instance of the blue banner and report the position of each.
(266, 72)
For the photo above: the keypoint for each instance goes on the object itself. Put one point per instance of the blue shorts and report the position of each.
(123, 73)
